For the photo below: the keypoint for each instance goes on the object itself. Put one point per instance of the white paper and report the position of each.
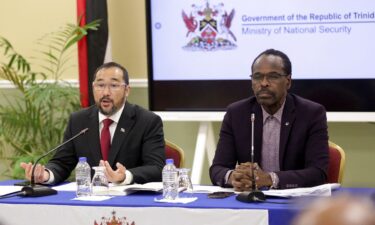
(117, 190)
(210, 189)
(66, 187)
(177, 200)
(321, 190)
(9, 189)
(151, 186)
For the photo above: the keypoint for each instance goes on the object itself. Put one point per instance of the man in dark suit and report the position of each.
(130, 146)
(290, 134)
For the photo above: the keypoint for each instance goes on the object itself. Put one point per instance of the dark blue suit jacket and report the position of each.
(303, 142)
(138, 144)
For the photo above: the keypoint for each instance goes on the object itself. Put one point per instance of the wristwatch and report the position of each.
(275, 180)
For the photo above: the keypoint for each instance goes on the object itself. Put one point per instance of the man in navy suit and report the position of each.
(135, 138)
(290, 134)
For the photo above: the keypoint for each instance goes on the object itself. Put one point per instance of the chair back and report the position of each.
(176, 153)
(336, 163)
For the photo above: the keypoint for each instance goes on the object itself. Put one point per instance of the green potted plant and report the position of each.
(33, 119)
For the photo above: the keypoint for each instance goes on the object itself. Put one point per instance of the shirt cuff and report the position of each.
(51, 177)
(275, 180)
(128, 178)
(226, 178)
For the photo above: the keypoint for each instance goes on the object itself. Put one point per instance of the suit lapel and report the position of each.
(93, 135)
(124, 126)
(287, 121)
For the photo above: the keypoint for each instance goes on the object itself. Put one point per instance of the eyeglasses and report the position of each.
(112, 86)
(270, 77)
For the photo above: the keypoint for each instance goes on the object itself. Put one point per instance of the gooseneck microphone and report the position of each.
(254, 195)
(34, 190)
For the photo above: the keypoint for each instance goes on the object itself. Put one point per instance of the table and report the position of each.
(140, 208)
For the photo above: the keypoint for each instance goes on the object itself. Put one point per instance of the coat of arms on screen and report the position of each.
(209, 27)
(113, 220)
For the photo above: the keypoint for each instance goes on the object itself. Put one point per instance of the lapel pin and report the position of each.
(286, 123)
(122, 130)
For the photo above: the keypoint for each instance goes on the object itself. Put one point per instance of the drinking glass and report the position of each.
(185, 182)
(99, 181)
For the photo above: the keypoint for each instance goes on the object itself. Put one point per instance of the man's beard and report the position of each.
(112, 111)
(262, 100)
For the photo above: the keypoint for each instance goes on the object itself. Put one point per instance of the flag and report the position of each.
(94, 48)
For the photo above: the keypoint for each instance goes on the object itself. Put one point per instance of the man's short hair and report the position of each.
(287, 65)
(114, 64)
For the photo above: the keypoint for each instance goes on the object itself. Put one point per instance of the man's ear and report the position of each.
(289, 79)
(127, 91)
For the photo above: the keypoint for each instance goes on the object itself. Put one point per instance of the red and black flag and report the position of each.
(92, 49)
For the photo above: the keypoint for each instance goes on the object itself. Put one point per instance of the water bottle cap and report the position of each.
(169, 161)
(82, 159)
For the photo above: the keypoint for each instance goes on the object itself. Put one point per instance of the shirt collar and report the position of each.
(115, 117)
(277, 115)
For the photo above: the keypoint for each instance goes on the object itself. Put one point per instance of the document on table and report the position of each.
(9, 189)
(129, 189)
(118, 190)
(321, 190)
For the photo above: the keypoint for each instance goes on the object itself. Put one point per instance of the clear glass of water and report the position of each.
(99, 181)
(185, 182)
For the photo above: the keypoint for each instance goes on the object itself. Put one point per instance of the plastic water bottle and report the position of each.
(83, 178)
(170, 180)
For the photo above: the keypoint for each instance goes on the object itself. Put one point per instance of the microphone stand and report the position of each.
(34, 190)
(254, 195)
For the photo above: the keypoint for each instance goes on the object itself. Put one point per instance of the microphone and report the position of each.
(34, 190)
(254, 195)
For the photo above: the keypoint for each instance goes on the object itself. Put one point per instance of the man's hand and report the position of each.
(262, 179)
(114, 176)
(40, 174)
(241, 177)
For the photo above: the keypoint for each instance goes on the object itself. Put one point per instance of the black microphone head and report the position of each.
(253, 196)
(37, 191)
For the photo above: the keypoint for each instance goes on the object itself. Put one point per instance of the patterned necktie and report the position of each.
(105, 138)
(270, 147)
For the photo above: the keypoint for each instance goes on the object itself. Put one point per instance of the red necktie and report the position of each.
(105, 138)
